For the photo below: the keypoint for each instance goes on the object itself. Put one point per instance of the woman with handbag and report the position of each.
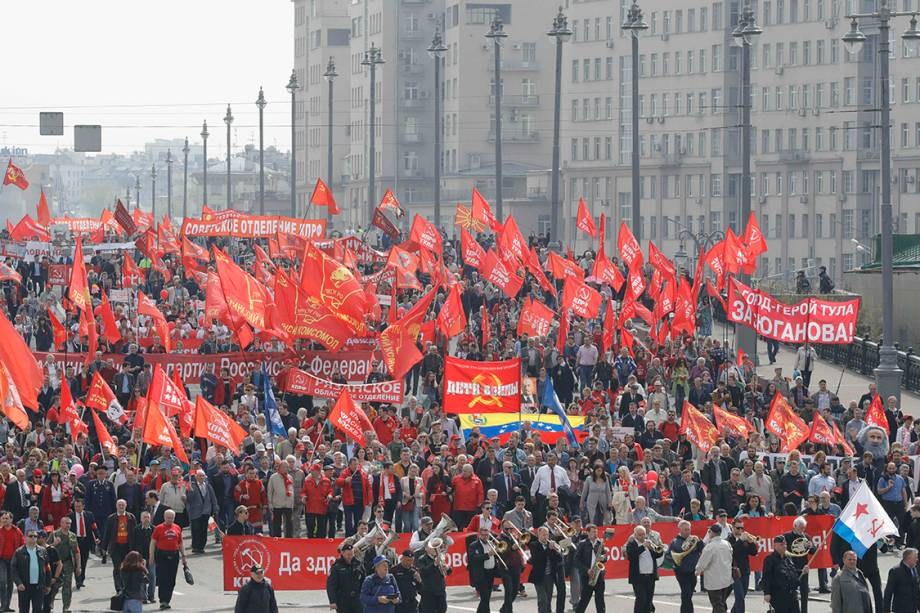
(407, 513)
(134, 579)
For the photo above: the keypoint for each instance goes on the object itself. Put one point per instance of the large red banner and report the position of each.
(303, 564)
(296, 381)
(353, 365)
(253, 226)
(482, 387)
(812, 320)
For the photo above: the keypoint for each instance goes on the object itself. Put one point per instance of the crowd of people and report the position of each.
(530, 500)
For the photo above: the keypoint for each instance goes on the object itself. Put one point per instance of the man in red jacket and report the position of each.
(10, 540)
(468, 495)
(316, 493)
(251, 493)
(356, 494)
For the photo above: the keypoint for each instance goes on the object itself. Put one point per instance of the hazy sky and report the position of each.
(146, 69)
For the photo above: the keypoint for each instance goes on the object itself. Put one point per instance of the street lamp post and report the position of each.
(561, 33)
(888, 374)
(260, 102)
(744, 34)
(292, 88)
(372, 58)
(635, 23)
(137, 191)
(497, 34)
(228, 119)
(330, 76)
(702, 241)
(153, 190)
(169, 163)
(437, 51)
(185, 151)
(204, 139)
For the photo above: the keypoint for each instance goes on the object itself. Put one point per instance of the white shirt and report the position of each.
(646, 567)
(489, 563)
(716, 564)
(542, 480)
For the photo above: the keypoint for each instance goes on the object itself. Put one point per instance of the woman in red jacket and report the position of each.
(251, 493)
(356, 494)
(316, 493)
(55, 502)
(438, 491)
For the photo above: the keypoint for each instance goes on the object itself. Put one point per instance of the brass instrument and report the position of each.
(654, 546)
(567, 530)
(751, 538)
(360, 546)
(566, 533)
(440, 557)
(689, 546)
(444, 526)
(595, 572)
(525, 537)
(556, 547)
(498, 548)
(799, 548)
(517, 543)
(391, 538)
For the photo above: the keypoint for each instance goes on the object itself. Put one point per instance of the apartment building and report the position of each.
(815, 146)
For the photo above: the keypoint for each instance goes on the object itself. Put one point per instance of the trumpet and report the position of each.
(655, 547)
(751, 538)
(566, 532)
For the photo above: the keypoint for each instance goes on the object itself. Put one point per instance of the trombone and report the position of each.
(498, 548)
(517, 539)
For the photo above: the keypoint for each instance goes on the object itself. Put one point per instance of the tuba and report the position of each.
(444, 526)
(688, 547)
(361, 545)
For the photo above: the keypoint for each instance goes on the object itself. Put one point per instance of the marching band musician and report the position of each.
(685, 570)
(800, 558)
(557, 535)
(343, 586)
(409, 581)
(589, 560)
(519, 516)
(643, 569)
(510, 572)
(546, 570)
(417, 542)
(780, 578)
(570, 571)
(742, 550)
(433, 589)
(482, 559)
(378, 548)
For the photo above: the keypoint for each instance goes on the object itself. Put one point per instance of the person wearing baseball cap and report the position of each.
(257, 594)
(343, 585)
(380, 592)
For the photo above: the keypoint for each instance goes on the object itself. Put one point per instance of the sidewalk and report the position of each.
(852, 386)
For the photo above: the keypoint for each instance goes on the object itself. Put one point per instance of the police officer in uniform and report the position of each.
(343, 586)
(408, 580)
(68, 551)
(780, 579)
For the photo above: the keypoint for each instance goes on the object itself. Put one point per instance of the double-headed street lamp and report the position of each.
(888, 374)
(169, 163)
(185, 151)
(330, 76)
(372, 59)
(743, 35)
(292, 88)
(153, 190)
(228, 119)
(497, 34)
(561, 33)
(437, 50)
(634, 24)
(137, 191)
(260, 103)
(204, 139)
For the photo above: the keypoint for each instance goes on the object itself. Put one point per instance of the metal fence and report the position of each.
(862, 356)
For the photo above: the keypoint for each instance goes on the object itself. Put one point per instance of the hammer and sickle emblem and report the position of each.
(484, 379)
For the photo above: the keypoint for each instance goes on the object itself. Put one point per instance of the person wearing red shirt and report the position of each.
(356, 494)
(11, 539)
(314, 426)
(251, 492)
(316, 493)
(384, 426)
(669, 427)
(468, 495)
(485, 519)
(166, 549)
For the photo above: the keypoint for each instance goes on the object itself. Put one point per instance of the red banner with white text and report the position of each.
(303, 564)
(253, 226)
(482, 387)
(812, 320)
(296, 381)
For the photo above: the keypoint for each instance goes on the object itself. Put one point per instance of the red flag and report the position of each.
(159, 431)
(609, 327)
(130, 273)
(471, 251)
(536, 318)
(486, 326)
(322, 196)
(736, 256)
(350, 418)
(451, 318)
(400, 259)
(630, 250)
(60, 334)
(739, 360)
(335, 286)
(105, 439)
(79, 286)
(727, 421)
(304, 316)
(821, 433)
(146, 306)
(425, 234)
(245, 297)
(714, 293)
(214, 425)
(44, 215)
(532, 265)
(263, 267)
(397, 344)
(123, 218)
(481, 212)
(67, 412)
(607, 272)
(8, 273)
(875, 415)
(15, 176)
(26, 374)
(754, 241)
(109, 325)
(563, 331)
(635, 283)
(715, 258)
(660, 262)
(784, 423)
(101, 398)
(582, 300)
(585, 222)
(389, 201)
(842, 441)
(28, 229)
(10, 402)
(496, 272)
(187, 412)
(511, 241)
(561, 268)
(697, 428)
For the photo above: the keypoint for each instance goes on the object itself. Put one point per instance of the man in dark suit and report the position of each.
(83, 524)
(588, 554)
(140, 541)
(715, 472)
(527, 476)
(18, 499)
(387, 491)
(131, 492)
(508, 486)
(902, 592)
(643, 569)
(546, 566)
(685, 492)
(483, 568)
(156, 508)
(116, 538)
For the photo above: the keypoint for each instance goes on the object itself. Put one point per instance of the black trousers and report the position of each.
(118, 554)
(511, 581)
(33, 596)
(587, 591)
(545, 594)
(200, 532)
(785, 605)
(167, 563)
(803, 594)
(718, 598)
(485, 595)
(285, 516)
(433, 602)
(687, 583)
(86, 544)
(541, 505)
(316, 525)
(644, 590)
(772, 350)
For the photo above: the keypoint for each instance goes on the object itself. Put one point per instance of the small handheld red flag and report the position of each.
(15, 176)
(322, 196)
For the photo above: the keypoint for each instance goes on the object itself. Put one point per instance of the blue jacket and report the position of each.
(373, 588)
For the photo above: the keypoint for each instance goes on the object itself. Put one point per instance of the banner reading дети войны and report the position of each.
(482, 387)
(303, 564)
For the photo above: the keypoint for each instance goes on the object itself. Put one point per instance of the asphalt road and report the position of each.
(207, 595)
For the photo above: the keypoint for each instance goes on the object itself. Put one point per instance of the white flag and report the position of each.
(864, 522)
